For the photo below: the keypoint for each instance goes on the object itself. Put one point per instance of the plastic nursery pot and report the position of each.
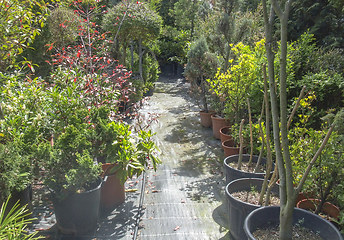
(237, 209)
(225, 133)
(217, 123)
(261, 216)
(112, 192)
(149, 92)
(230, 148)
(206, 118)
(24, 197)
(234, 173)
(328, 208)
(78, 214)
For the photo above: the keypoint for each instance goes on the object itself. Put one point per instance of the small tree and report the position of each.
(288, 192)
(128, 21)
(201, 65)
(236, 84)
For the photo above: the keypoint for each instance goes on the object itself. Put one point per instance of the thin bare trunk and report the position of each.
(262, 136)
(297, 104)
(251, 137)
(241, 144)
(204, 98)
(140, 61)
(267, 128)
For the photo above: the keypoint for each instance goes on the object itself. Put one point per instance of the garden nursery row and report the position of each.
(268, 79)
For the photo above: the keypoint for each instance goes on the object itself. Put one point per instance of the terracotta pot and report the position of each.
(328, 208)
(218, 123)
(225, 133)
(230, 148)
(112, 192)
(206, 118)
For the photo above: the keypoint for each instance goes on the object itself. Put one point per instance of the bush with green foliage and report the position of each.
(21, 21)
(321, 18)
(325, 178)
(15, 170)
(241, 81)
(70, 168)
(201, 66)
(128, 155)
(23, 106)
(173, 46)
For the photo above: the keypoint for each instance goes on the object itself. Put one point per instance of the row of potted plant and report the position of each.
(58, 133)
(323, 182)
(231, 91)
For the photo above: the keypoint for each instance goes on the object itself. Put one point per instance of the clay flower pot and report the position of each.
(328, 208)
(206, 118)
(225, 133)
(218, 123)
(112, 192)
(230, 148)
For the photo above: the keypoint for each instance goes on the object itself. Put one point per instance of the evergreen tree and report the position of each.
(323, 18)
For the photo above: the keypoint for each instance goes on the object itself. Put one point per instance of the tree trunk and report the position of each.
(124, 58)
(132, 54)
(140, 61)
(204, 98)
(286, 223)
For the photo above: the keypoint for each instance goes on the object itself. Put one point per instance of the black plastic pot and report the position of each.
(233, 173)
(149, 93)
(238, 210)
(78, 214)
(260, 217)
(24, 197)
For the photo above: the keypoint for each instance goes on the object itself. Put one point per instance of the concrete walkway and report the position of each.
(184, 198)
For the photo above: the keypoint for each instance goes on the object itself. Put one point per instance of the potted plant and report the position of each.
(232, 86)
(255, 163)
(238, 208)
(259, 218)
(124, 155)
(225, 133)
(70, 170)
(200, 66)
(15, 177)
(251, 182)
(74, 180)
(149, 88)
(325, 177)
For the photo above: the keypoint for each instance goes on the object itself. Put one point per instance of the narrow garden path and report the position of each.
(184, 198)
